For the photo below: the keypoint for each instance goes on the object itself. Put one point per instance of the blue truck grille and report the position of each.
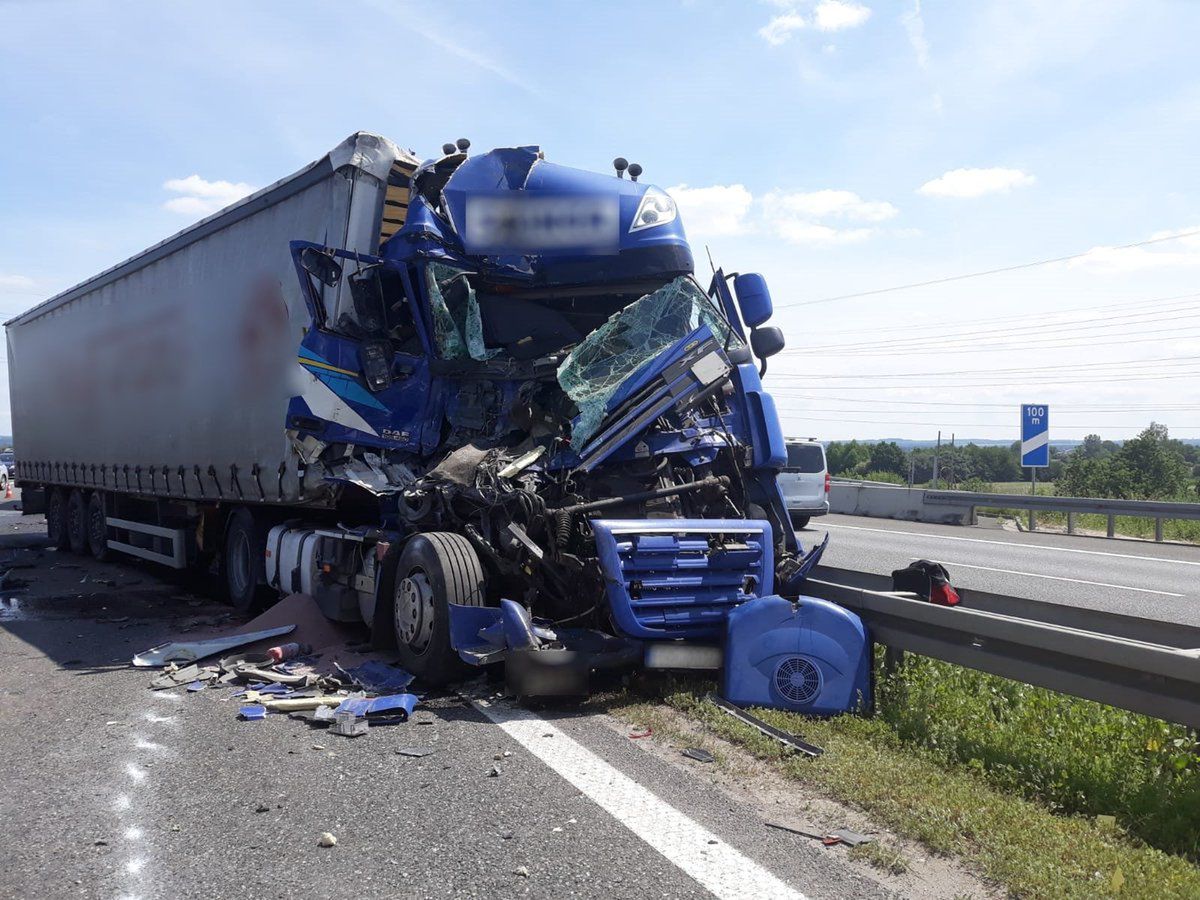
(678, 578)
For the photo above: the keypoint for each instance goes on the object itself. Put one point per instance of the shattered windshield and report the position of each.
(633, 336)
(457, 326)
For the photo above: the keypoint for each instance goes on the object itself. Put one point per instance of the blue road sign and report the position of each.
(1035, 436)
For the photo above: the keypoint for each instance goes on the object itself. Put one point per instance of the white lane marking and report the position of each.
(1123, 587)
(134, 772)
(699, 853)
(947, 537)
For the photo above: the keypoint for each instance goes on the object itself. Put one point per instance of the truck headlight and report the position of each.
(657, 208)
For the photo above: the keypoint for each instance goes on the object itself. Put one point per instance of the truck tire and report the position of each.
(430, 571)
(97, 527)
(243, 561)
(56, 518)
(77, 522)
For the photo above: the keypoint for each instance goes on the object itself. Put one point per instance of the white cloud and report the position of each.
(835, 15)
(829, 15)
(976, 182)
(814, 217)
(914, 25)
(834, 204)
(719, 210)
(780, 28)
(1166, 253)
(803, 218)
(15, 282)
(201, 197)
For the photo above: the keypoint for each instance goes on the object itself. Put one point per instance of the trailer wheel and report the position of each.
(431, 571)
(56, 518)
(77, 535)
(97, 527)
(243, 562)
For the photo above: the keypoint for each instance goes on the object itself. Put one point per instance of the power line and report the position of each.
(1001, 270)
(928, 424)
(1013, 383)
(972, 323)
(1156, 362)
(982, 347)
(1036, 331)
(1084, 407)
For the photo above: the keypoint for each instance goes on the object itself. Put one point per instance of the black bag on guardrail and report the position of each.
(928, 579)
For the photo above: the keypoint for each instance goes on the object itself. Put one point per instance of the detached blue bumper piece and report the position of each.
(810, 657)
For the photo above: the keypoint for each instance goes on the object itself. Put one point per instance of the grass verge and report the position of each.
(1014, 836)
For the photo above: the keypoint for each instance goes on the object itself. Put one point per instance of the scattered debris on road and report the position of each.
(699, 754)
(326, 840)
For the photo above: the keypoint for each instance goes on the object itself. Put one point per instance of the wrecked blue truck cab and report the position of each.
(561, 437)
(565, 435)
(481, 403)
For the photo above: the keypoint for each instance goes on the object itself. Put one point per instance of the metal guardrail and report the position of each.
(1142, 665)
(1072, 506)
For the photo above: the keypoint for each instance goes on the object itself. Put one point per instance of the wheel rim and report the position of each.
(414, 610)
(239, 564)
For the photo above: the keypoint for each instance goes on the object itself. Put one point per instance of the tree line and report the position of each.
(1151, 466)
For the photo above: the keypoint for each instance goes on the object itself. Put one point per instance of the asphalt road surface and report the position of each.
(1160, 581)
(112, 790)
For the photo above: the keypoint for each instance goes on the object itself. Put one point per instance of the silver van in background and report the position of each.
(804, 481)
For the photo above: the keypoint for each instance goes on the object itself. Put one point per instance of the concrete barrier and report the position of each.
(892, 502)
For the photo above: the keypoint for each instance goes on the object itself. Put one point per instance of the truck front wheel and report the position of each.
(56, 518)
(430, 572)
(77, 522)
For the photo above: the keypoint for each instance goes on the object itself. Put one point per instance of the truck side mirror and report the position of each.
(754, 299)
(321, 266)
(766, 342)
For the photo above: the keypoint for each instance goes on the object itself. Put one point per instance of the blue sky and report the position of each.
(835, 146)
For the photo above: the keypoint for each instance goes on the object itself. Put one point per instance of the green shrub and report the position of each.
(885, 477)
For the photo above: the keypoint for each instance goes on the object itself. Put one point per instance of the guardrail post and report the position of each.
(893, 659)
(1158, 530)
(1112, 525)
(1032, 520)
(1070, 523)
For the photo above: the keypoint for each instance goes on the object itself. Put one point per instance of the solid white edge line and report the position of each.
(1123, 587)
(697, 852)
(948, 537)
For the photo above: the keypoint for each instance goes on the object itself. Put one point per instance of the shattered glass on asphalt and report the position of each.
(457, 325)
(597, 367)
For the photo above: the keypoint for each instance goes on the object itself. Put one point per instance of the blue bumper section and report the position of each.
(679, 578)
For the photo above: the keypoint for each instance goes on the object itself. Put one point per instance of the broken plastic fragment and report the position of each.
(632, 337)
(190, 651)
(250, 713)
(380, 677)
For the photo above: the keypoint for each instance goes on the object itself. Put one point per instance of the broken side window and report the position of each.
(593, 371)
(457, 327)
